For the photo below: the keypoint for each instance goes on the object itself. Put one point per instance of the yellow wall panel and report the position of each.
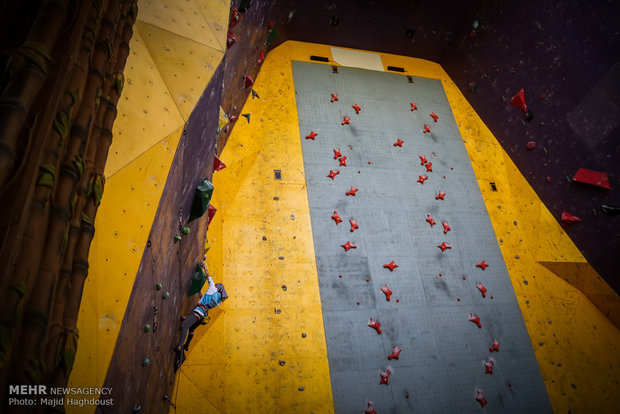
(185, 65)
(216, 13)
(146, 112)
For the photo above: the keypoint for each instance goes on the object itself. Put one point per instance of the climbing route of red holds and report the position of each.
(353, 225)
(399, 143)
(348, 245)
(336, 217)
(332, 174)
(337, 154)
(375, 325)
(482, 265)
(357, 109)
(429, 167)
(591, 177)
(446, 227)
(482, 289)
(334, 97)
(434, 116)
(413, 106)
(429, 220)
(352, 191)
(346, 121)
(423, 160)
(395, 353)
(312, 135)
(218, 165)
(370, 409)
(426, 129)
(473, 318)
(343, 161)
(422, 178)
(443, 246)
(488, 366)
(261, 58)
(385, 377)
(440, 196)
(518, 101)
(388, 293)
(248, 81)
(480, 398)
(495, 346)
(390, 266)
(567, 218)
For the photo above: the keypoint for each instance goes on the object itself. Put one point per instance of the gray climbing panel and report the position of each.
(441, 363)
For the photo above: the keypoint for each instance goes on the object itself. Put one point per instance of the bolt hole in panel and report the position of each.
(441, 365)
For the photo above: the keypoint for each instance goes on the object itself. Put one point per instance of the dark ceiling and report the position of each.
(565, 54)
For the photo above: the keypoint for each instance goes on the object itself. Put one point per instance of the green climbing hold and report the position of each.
(146, 362)
(185, 230)
(202, 197)
(147, 328)
(158, 286)
(165, 295)
(177, 238)
(198, 281)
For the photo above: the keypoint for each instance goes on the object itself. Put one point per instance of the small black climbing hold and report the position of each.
(246, 116)
(165, 397)
(255, 94)
(278, 311)
(276, 198)
(282, 362)
(264, 238)
(610, 211)
(146, 362)
(244, 6)
(284, 288)
(281, 257)
(136, 408)
(573, 385)
(529, 115)
(303, 335)
(301, 388)
(148, 243)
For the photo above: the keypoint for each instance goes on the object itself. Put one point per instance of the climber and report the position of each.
(216, 294)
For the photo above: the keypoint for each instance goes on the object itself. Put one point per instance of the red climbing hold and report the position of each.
(235, 17)
(230, 39)
(495, 346)
(261, 58)
(336, 217)
(312, 135)
(218, 165)
(482, 289)
(480, 398)
(426, 129)
(337, 154)
(390, 266)
(211, 213)
(343, 161)
(346, 121)
(332, 174)
(348, 245)
(353, 225)
(352, 191)
(429, 220)
(518, 101)
(248, 81)
(423, 160)
(596, 178)
(434, 116)
(446, 227)
(473, 318)
(375, 325)
(482, 265)
(399, 143)
(357, 108)
(413, 106)
(388, 293)
(531, 145)
(488, 366)
(440, 196)
(395, 353)
(334, 97)
(443, 246)
(567, 219)
(429, 167)
(385, 377)
(422, 178)
(370, 409)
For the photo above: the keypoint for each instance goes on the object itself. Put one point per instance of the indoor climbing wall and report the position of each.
(416, 297)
